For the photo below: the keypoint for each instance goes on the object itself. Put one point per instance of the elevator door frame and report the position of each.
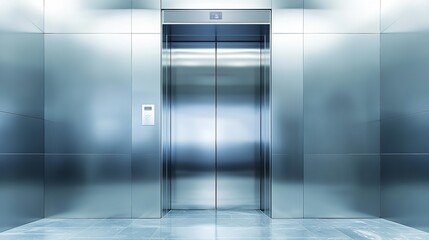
(265, 175)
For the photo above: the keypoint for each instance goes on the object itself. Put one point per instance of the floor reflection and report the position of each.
(207, 224)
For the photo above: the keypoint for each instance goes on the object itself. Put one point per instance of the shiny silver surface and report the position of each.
(287, 128)
(219, 4)
(88, 16)
(341, 125)
(228, 17)
(193, 116)
(338, 16)
(88, 93)
(401, 16)
(88, 186)
(404, 190)
(21, 74)
(146, 140)
(21, 112)
(146, 16)
(238, 127)
(404, 108)
(215, 92)
(181, 225)
(88, 125)
(21, 189)
(21, 16)
(403, 58)
(288, 16)
(341, 94)
(341, 186)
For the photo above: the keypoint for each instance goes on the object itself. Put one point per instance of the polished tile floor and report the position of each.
(213, 225)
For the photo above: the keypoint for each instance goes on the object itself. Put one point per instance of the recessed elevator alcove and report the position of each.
(216, 110)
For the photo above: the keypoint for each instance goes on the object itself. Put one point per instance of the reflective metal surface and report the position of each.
(88, 16)
(219, 4)
(21, 112)
(404, 108)
(341, 125)
(238, 125)
(21, 16)
(88, 93)
(287, 128)
(21, 74)
(222, 17)
(404, 192)
(146, 140)
(146, 16)
(215, 92)
(21, 189)
(341, 94)
(193, 125)
(288, 16)
(87, 186)
(341, 186)
(401, 16)
(338, 16)
(88, 128)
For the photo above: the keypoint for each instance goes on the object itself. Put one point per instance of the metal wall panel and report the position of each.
(21, 113)
(23, 16)
(88, 93)
(287, 126)
(339, 16)
(193, 125)
(219, 4)
(87, 16)
(146, 16)
(402, 16)
(341, 125)
(342, 186)
(146, 140)
(20, 134)
(21, 189)
(21, 74)
(404, 59)
(404, 108)
(288, 16)
(88, 186)
(88, 125)
(238, 125)
(404, 192)
(406, 134)
(341, 100)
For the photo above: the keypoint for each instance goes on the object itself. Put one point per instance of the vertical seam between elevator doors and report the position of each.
(215, 89)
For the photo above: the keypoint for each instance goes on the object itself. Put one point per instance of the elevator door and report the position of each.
(215, 125)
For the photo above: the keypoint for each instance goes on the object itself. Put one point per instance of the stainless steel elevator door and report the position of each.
(238, 125)
(193, 125)
(215, 125)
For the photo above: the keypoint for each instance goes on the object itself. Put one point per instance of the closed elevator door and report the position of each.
(215, 125)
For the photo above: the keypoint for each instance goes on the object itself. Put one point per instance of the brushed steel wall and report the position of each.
(341, 125)
(102, 64)
(404, 113)
(21, 113)
(287, 126)
(88, 129)
(326, 67)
